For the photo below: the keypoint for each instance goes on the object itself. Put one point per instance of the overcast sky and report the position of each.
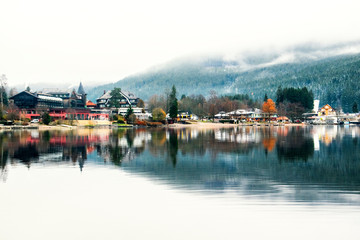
(69, 41)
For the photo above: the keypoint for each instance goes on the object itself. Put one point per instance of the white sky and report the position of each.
(69, 41)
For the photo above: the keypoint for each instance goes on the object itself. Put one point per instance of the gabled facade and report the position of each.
(103, 101)
(327, 110)
(125, 102)
(25, 99)
(58, 103)
(28, 100)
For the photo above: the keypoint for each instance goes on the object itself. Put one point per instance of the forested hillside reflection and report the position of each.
(310, 164)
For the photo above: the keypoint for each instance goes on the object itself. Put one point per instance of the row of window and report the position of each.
(61, 95)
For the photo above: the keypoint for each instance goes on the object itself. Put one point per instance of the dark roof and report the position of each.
(27, 92)
(81, 89)
(106, 95)
(128, 95)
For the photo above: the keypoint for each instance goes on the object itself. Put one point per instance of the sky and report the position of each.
(96, 42)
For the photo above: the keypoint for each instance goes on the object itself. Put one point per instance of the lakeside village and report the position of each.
(116, 108)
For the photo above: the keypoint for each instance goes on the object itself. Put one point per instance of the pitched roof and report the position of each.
(129, 94)
(106, 95)
(126, 94)
(90, 103)
(27, 92)
(81, 89)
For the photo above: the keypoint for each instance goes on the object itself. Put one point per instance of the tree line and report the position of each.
(291, 102)
(200, 105)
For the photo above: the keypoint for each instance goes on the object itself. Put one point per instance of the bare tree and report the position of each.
(12, 92)
(3, 83)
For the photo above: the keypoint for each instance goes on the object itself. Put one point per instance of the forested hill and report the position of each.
(334, 80)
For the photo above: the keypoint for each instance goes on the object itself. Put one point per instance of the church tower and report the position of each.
(82, 93)
(81, 90)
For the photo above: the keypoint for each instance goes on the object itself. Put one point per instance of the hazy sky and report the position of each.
(69, 41)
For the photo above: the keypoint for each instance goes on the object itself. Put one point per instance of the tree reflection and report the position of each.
(157, 142)
(295, 146)
(207, 158)
(116, 154)
(26, 154)
(130, 135)
(3, 157)
(116, 151)
(173, 147)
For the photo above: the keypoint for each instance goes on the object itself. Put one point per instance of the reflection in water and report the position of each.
(173, 146)
(310, 164)
(296, 145)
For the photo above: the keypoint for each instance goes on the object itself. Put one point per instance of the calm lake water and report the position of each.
(235, 183)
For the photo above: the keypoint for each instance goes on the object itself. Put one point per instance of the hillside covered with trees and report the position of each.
(334, 80)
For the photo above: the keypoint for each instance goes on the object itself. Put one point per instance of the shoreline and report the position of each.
(207, 125)
(197, 125)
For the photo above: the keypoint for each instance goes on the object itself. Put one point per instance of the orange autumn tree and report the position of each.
(269, 107)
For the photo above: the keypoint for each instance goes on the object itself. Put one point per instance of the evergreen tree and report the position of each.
(128, 113)
(265, 97)
(173, 109)
(279, 96)
(4, 100)
(46, 118)
(116, 96)
(355, 108)
(295, 95)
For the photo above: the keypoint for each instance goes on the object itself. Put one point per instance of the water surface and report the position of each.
(242, 182)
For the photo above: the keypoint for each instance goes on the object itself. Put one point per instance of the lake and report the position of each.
(280, 182)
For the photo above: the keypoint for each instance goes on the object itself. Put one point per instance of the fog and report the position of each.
(99, 42)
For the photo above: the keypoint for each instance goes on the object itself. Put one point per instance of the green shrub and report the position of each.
(46, 119)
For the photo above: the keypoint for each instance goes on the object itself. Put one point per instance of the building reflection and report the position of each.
(236, 158)
(117, 146)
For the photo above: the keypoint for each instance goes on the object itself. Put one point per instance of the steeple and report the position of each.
(81, 89)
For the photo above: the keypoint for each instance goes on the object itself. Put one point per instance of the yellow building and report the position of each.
(327, 110)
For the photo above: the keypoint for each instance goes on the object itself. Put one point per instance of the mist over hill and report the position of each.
(331, 72)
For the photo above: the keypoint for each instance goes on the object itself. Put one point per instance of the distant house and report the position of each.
(31, 105)
(327, 110)
(259, 115)
(30, 100)
(125, 102)
(242, 114)
(90, 104)
(71, 98)
(103, 101)
(59, 103)
(222, 115)
(183, 115)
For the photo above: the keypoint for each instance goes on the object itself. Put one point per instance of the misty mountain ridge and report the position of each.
(331, 72)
